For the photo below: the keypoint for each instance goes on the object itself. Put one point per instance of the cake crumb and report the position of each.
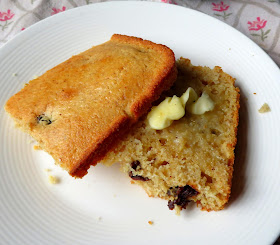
(254, 93)
(32, 141)
(99, 218)
(37, 147)
(47, 170)
(14, 74)
(177, 210)
(265, 108)
(151, 222)
(114, 195)
(53, 180)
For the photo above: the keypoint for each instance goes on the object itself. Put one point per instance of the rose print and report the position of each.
(5, 16)
(258, 25)
(56, 11)
(167, 1)
(221, 7)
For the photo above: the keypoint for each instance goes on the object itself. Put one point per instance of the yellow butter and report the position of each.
(189, 97)
(174, 108)
(162, 116)
(202, 105)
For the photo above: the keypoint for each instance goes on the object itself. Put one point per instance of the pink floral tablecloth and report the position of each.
(257, 19)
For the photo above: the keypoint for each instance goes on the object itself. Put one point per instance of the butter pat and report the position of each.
(162, 116)
(202, 105)
(174, 108)
(188, 97)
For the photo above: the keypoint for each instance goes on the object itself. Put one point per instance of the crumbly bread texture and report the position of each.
(193, 158)
(78, 109)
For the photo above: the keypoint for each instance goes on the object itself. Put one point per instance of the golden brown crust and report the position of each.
(142, 106)
(235, 125)
(164, 79)
(120, 127)
(80, 108)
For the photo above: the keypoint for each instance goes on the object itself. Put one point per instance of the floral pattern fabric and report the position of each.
(4, 17)
(257, 25)
(221, 7)
(257, 19)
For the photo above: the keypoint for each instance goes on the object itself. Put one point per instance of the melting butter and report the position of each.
(162, 116)
(202, 105)
(174, 108)
(188, 97)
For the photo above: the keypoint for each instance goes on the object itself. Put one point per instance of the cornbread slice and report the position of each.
(193, 158)
(79, 108)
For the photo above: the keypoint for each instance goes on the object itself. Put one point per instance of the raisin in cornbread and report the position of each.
(78, 109)
(193, 158)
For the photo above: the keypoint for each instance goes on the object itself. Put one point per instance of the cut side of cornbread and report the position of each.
(192, 159)
(80, 108)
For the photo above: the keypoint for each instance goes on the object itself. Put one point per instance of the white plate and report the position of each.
(103, 208)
